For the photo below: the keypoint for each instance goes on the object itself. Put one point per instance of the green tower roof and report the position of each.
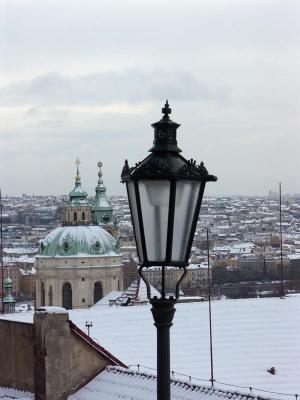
(102, 209)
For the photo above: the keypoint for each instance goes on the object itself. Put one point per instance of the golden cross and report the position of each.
(77, 162)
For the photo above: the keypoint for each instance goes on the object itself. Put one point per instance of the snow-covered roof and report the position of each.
(9, 393)
(21, 260)
(136, 293)
(113, 295)
(116, 383)
(249, 337)
(19, 250)
(203, 265)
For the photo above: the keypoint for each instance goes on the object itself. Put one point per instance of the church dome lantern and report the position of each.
(78, 210)
(102, 209)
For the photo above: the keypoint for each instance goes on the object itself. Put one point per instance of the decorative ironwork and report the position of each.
(162, 136)
(127, 170)
(191, 168)
(153, 167)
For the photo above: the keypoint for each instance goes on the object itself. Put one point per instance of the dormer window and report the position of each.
(105, 218)
(66, 246)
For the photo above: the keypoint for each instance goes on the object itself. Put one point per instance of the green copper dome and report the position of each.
(81, 241)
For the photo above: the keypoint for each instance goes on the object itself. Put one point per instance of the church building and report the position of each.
(80, 262)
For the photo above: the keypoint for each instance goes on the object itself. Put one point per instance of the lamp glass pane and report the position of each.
(185, 203)
(154, 197)
(135, 219)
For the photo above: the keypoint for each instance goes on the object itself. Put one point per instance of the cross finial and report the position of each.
(166, 110)
(77, 162)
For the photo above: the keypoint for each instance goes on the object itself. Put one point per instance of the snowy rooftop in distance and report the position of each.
(250, 336)
(20, 250)
(136, 293)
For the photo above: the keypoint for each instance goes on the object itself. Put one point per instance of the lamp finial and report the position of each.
(166, 110)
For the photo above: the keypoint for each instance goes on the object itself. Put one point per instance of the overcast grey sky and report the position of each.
(87, 78)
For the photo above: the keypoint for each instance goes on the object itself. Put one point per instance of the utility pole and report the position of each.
(281, 256)
(209, 308)
(1, 255)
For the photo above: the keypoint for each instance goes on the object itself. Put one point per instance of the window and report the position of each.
(82, 279)
(98, 292)
(83, 216)
(42, 295)
(75, 216)
(50, 294)
(67, 296)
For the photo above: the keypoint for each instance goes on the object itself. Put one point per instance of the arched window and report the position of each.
(42, 295)
(98, 293)
(50, 296)
(67, 296)
(83, 216)
(75, 216)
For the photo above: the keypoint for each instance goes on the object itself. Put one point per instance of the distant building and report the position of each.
(196, 278)
(14, 273)
(8, 300)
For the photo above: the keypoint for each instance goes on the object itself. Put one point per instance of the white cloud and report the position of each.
(229, 68)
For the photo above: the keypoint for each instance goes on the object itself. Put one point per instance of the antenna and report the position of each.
(209, 312)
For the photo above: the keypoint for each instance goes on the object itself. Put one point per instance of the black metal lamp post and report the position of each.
(165, 192)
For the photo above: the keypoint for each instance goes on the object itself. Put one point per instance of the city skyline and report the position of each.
(88, 80)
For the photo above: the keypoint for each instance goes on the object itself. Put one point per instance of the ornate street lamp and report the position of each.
(165, 192)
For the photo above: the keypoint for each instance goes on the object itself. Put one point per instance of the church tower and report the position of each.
(78, 210)
(102, 209)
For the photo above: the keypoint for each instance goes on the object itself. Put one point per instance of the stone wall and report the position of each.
(17, 355)
(51, 358)
(64, 360)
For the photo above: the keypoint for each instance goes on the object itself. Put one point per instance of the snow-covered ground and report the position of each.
(249, 335)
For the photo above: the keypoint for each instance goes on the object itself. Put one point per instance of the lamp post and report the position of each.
(165, 192)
